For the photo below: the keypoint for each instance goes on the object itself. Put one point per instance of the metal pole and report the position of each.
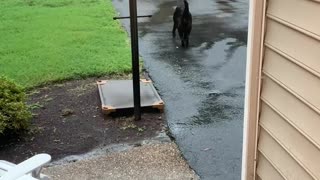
(135, 59)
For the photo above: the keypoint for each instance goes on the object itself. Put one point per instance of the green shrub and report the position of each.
(14, 113)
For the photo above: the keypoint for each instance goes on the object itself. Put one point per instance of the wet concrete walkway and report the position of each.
(203, 86)
(152, 161)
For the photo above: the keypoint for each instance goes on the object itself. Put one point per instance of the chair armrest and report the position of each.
(5, 165)
(26, 167)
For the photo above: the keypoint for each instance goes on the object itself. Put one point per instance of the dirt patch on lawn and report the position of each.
(68, 121)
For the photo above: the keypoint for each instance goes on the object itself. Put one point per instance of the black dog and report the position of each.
(183, 22)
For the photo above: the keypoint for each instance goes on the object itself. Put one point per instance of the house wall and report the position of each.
(286, 140)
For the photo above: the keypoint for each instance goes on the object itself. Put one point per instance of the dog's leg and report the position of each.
(181, 35)
(176, 16)
(182, 43)
(187, 40)
(184, 40)
(174, 30)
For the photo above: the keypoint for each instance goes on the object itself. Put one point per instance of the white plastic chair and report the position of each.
(26, 170)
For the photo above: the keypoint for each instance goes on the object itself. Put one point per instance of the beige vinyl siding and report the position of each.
(293, 78)
(279, 158)
(267, 170)
(289, 118)
(294, 45)
(303, 118)
(301, 14)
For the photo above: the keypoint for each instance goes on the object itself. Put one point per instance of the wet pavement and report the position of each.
(203, 86)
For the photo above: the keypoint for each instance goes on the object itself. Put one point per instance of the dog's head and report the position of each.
(186, 3)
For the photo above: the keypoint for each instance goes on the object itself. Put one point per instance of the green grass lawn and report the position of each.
(50, 40)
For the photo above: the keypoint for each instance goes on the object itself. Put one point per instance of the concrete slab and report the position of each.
(118, 95)
(157, 161)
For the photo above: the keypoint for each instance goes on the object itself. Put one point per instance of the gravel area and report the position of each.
(157, 161)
